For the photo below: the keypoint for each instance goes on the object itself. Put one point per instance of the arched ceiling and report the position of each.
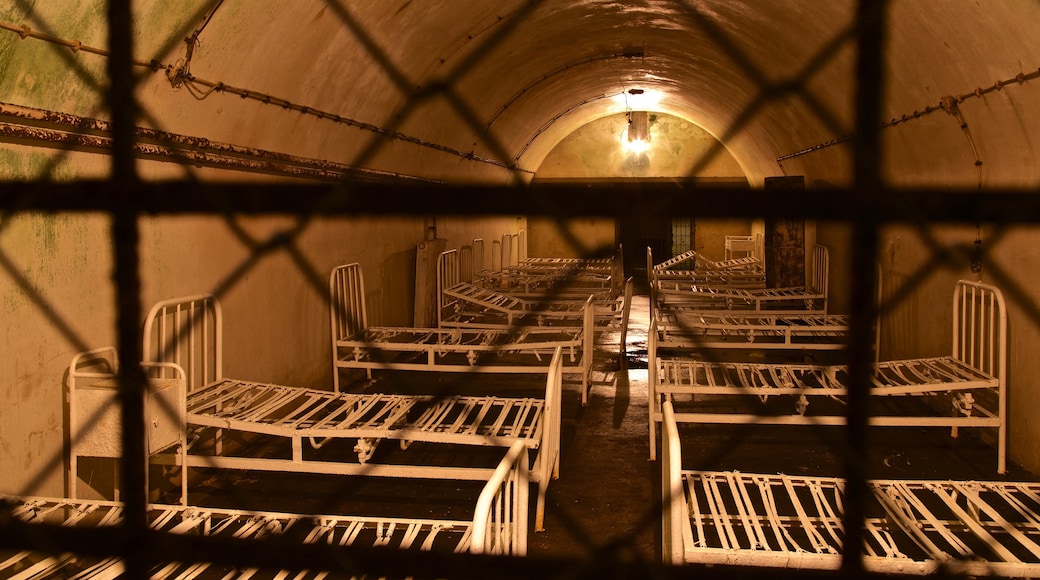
(472, 90)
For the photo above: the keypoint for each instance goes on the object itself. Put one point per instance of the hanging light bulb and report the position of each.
(637, 136)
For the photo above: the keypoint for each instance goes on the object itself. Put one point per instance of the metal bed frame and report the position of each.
(973, 378)
(738, 272)
(550, 277)
(525, 350)
(94, 411)
(756, 331)
(747, 246)
(684, 294)
(973, 528)
(463, 304)
(188, 332)
(498, 526)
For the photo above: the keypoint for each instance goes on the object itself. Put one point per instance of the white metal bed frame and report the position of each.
(463, 304)
(756, 331)
(740, 272)
(974, 528)
(683, 294)
(977, 366)
(747, 246)
(94, 416)
(523, 350)
(498, 526)
(188, 332)
(553, 277)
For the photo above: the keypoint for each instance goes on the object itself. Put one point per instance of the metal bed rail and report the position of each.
(763, 330)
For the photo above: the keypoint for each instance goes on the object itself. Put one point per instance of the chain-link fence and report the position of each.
(127, 535)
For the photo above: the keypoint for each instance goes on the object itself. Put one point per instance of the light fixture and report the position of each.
(637, 136)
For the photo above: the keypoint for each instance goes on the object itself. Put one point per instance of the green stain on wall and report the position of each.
(34, 164)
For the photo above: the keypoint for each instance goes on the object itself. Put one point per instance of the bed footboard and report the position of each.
(95, 421)
(500, 518)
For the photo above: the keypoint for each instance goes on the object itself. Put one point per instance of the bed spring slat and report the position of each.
(293, 412)
(981, 527)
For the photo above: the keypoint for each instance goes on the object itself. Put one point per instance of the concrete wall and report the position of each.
(677, 148)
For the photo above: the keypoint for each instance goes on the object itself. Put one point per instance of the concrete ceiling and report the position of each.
(469, 89)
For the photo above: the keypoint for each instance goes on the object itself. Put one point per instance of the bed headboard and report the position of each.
(617, 272)
(448, 275)
(347, 302)
(821, 271)
(467, 264)
(188, 332)
(521, 248)
(478, 257)
(980, 327)
(510, 250)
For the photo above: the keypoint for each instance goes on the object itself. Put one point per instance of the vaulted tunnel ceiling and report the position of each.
(469, 90)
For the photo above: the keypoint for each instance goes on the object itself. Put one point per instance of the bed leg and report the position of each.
(653, 433)
(184, 471)
(539, 510)
(1002, 444)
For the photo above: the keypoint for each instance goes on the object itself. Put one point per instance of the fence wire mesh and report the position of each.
(132, 535)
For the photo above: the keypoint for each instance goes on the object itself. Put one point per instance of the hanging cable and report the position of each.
(210, 87)
(979, 92)
(181, 67)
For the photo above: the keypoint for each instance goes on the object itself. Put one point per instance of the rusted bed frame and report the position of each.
(973, 377)
(971, 528)
(94, 411)
(463, 304)
(756, 330)
(188, 332)
(683, 294)
(742, 272)
(551, 277)
(523, 350)
(498, 526)
(746, 246)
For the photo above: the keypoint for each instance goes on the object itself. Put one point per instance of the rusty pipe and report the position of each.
(200, 153)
